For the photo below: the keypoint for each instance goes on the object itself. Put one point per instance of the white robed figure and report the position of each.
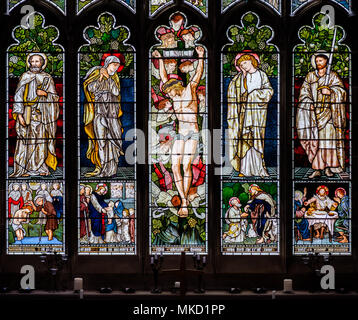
(236, 221)
(321, 118)
(248, 95)
(36, 111)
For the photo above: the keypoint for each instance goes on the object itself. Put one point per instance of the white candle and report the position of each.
(151, 260)
(287, 285)
(177, 284)
(81, 294)
(78, 284)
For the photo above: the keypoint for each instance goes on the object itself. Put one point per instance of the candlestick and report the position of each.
(177, 284)
(151, 260)
(78, 284)
(287, 285)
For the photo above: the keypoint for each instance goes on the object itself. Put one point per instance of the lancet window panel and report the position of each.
(107, 140)
(321, 148)
(83, 4)
(226, 4)
(199, 5)
(60, 4)
(178, 140)
(35, 217)
(250, 188)
(157, 5)
(297, 4)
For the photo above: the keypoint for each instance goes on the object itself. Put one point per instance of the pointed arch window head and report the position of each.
(36, 170)
(226, 4)
(200, 5)
(322, 144)
(250, 187)
(274, 4)
(297, 4)
(157, 5)
(83, 4)
(60, 4)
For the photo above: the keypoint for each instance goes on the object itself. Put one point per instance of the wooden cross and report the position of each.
(182, 273)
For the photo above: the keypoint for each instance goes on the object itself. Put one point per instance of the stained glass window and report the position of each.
(200, 5)
(107, 175)
(35, 140)
(296, 4)
(157, 5)
(61, 4)
(322, 140)
(226, 4)
(82, 4)
(178, 139)
(275, 4)
(250, 140)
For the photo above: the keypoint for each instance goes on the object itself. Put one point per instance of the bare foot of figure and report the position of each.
(315, 174)
(183, 211)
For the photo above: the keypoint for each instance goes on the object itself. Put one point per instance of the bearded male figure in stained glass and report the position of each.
(249, 93)
(102, 117)
(36, 111)
(321, 118)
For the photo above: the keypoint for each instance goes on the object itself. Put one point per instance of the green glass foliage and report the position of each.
(37, 39)
(252, 38)
(82, 4)
(199, 4)
(154, 7)
(106, 38)
(59, 3)
(319, 37)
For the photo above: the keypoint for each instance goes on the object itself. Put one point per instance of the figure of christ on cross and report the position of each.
(185, 107)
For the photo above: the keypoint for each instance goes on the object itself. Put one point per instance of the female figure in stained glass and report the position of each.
(102, 117)
(36, 111)
(321, 118)
(248, 96)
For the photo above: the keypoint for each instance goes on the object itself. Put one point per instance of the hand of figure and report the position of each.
(103, 73)
(41, 93)
(246, 209)
(21, 120)
(326, 91)
(312, 107)
(200, 51)
(156, 54)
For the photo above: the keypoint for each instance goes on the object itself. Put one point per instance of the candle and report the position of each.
(156, 257)
(151, 260)
(81, 294)
(177, 284)
(204, 259)
(78, 284)
(287, 285)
